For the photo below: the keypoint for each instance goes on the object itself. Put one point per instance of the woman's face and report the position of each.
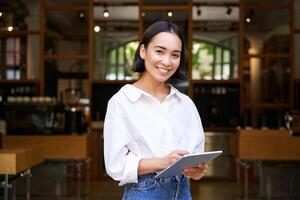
(162, 56)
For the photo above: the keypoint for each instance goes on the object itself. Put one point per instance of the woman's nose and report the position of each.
(166, 60)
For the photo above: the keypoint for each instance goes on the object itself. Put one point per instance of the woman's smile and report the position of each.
(163, 70)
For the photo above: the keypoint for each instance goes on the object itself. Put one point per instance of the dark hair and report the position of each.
(154, 29)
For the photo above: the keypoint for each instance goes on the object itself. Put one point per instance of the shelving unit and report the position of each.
(297, 96)
(78, 53)
(17, 33)
(23, 83)
(296, 32)
(184, 15)
(266, 62)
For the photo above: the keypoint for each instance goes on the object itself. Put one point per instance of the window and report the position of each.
(10, 58)
(120, 61)
(211, 61)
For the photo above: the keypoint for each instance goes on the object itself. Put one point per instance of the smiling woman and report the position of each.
(166, 117)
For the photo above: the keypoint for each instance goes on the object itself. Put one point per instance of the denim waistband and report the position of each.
(176, 178)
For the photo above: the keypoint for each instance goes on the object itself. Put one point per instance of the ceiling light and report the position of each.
(198, 11)
(229, 11)
(97, 28)
(170, 13)
(1, 14)
(105, 12)
(249, 16)
(10, 28)
(81, 15)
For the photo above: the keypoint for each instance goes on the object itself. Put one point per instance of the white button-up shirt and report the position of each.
(137, 125)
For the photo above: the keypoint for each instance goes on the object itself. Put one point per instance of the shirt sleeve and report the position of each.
(120, 163)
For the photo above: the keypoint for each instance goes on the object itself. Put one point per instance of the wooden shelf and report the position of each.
(66, 7)
(102, 81)
(66, 56)
(232, 81)
(77, 105)
(165, 7)
(267, 56)
(268, 105)
(219, 129)
(72, 75)
(256, 6)
(24, 81)
(16, 33)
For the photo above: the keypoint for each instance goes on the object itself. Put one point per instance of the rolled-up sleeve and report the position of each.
(120, 163)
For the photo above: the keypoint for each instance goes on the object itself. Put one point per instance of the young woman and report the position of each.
(149, 124)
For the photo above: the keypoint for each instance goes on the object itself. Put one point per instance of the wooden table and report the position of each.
(55, 146)
(263, 145)
(73, 149)
(17, 158)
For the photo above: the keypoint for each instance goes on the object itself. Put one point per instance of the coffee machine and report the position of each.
(74, 121)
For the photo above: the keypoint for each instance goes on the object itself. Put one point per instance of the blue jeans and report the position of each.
(148, 188)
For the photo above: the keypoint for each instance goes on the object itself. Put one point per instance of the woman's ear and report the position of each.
(142, 51)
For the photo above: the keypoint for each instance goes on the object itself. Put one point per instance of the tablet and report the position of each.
(187, 161)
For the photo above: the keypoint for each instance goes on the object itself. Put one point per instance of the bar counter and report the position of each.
(253, 146)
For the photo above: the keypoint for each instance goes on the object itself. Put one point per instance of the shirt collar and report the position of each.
(175, 92)
(134, 93)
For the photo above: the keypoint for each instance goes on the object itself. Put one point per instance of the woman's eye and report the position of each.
(176, 56)
(158, 51)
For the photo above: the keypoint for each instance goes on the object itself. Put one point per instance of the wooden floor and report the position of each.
(201, 190)
(57, 181)
(109, 190)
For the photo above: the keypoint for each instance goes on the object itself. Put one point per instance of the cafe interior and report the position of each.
(62, 60)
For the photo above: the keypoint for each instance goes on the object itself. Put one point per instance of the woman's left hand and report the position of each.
(196, 173)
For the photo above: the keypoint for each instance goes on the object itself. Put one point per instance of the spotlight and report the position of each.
(10, 28)
(170, 13)
(105, 12)
(198, 11)
(81, 15)
(1, 13)
(249, 16)
(229, 11)
(97, 28)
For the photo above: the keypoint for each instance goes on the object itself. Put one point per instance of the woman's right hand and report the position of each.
(150, 165)
(171, 157)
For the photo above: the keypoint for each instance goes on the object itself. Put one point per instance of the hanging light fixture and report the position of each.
(198, 11)
(228, 11)
(249, 16)
(170, 13)
(10, 22)
(105, 11)
(97, 28)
